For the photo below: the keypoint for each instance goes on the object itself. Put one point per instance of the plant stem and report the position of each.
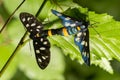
(21, 42)
(9, 18)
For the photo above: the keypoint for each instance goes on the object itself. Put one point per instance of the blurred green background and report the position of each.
(62, 66)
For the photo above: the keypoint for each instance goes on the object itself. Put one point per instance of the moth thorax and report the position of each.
(37, 35)
(33, 36)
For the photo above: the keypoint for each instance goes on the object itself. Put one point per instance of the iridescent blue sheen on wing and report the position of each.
(81, 38)
(82, 41)
(66, 20)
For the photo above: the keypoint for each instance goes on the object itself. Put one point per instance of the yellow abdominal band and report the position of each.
(65, 33)
(78, 28)
(49, 33)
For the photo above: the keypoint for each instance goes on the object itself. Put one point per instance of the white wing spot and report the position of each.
(37, 51)
(82, 26)
(79, 34)
(45, 42)
(43, 57)
(73, 25)
(38, 26)
(23, 19)
(42, 48)
(77, 39)
(67, 24)
(41, 39)
(76, 21)
(31, 18)
(86, 44)
(31, 30)
(37, 30)
(27, 25)
(83, 43)
(88, 55)
(84, 53)
(67, 18)
(46, 56)
(58, 14)
(33, 24)
(39, 60)
(36, 43)
(28, 18)
(84, 34)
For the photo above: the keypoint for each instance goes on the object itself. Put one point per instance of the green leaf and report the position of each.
(103, 46)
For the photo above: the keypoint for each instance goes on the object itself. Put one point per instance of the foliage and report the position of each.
(104, 43)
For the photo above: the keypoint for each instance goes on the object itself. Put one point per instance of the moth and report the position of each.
(41, 43)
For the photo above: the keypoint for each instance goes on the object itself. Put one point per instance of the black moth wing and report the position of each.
(31, 23)
(86, 50)
(40, 43)
(42, 51)
(82, 41)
